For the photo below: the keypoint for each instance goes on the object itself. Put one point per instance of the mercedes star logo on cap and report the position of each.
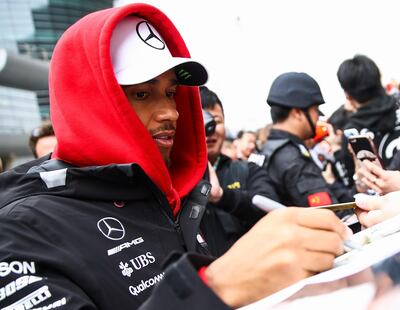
(111, 228)
(147, 35)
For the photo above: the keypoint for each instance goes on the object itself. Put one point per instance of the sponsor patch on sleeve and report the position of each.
(319, 199)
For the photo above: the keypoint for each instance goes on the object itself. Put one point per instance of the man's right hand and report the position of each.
(285, 246)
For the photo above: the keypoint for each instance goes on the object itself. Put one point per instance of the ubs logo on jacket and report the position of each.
(137, 263)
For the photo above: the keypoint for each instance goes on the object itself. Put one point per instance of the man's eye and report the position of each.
(171, 94)
(141, 95)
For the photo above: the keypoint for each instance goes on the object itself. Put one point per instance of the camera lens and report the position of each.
(209, 123)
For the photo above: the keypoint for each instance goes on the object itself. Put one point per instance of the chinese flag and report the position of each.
(319, 199)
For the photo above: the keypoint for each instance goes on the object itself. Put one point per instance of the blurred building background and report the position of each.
(29, 32)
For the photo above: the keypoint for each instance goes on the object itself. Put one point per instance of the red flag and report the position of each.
(319, 199)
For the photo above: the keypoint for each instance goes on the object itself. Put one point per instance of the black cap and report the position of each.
(295, 90)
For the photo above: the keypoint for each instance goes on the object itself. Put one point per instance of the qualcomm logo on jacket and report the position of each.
(145, 284)
(138, 263)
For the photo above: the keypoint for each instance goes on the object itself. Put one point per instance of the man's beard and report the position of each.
(164, 127)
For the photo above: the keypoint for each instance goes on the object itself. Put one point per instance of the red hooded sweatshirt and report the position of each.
(94, 122)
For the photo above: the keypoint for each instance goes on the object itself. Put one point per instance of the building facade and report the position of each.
(31, 28)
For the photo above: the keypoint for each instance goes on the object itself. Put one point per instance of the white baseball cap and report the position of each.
(139, 53)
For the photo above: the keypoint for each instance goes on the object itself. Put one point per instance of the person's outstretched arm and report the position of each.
(285, 246)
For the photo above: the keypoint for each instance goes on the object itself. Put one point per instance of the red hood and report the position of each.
(94, 122)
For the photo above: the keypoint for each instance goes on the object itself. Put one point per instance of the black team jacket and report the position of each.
(95, 238)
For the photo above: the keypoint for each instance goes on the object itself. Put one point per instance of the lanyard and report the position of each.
(215, 166)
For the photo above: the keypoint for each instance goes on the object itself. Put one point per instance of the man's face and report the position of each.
(247, 144)
(313, 111)
(154, 104)
(214, 142)
(45, 145)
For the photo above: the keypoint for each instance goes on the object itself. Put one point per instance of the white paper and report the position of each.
(383, 244)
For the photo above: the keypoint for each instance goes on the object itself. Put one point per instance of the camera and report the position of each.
(209, 123)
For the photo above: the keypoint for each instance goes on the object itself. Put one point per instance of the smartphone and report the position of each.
(364, 148)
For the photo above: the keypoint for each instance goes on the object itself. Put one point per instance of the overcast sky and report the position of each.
(246, 44)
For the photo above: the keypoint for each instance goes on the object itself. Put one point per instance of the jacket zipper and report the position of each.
(166, 210)
(178, 229)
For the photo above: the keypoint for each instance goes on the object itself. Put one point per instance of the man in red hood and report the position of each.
(98, 225)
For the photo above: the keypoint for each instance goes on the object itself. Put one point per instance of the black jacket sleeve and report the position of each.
(182, 288)
(298, 179)
(239, 201)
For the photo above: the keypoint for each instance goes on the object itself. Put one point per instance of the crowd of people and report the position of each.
(132, 203)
